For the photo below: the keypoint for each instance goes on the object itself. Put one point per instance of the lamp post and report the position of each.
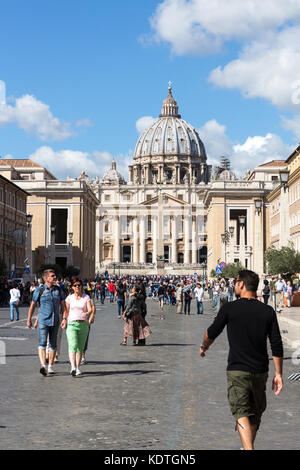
(284, 208)
(242, 223)
(258, 257)
(284, 178)
(28, 261)
(226, 238)
(70, 248)
(52, 244)
(258, 205)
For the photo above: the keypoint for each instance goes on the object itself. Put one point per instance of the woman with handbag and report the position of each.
(134, 316)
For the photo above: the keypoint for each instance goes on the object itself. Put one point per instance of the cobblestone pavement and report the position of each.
(161, 396)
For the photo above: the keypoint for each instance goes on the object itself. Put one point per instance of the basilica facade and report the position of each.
(178, 214)
(158, 215)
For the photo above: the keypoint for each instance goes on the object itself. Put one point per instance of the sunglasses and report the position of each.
(77, 285)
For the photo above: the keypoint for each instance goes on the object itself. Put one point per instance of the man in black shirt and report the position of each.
(249, 324)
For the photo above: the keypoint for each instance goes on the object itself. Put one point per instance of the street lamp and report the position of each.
(227, 235)
(242, 220)
(258, 205)
(28, 245)
(29, 219)
(284, 177)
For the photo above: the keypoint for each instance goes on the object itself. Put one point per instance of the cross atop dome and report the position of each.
(170, 108)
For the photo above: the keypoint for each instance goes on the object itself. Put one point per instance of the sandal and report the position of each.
(123, 344)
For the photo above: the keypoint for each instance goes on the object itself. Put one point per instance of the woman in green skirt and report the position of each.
(77, 321)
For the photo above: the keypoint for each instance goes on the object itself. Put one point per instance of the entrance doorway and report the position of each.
(126, 254)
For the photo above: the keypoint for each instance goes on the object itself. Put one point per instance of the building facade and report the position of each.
(63, 213)
(13, 227)
(175, 214)
(158, 216)
(284, 203)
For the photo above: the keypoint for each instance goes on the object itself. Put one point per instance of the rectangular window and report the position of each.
(59, 220)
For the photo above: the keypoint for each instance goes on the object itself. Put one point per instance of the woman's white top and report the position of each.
(78, 307)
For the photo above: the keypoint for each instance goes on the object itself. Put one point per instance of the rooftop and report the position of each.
(19, 163)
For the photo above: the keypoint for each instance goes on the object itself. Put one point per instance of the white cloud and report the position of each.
(266, 35)
(86, 122)
(268, 68)
(34, 117)
(63, 163)
(143, 123)
(255, 151)
(2, 93)
(199, 26)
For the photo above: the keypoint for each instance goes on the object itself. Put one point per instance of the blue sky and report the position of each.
(80, 74)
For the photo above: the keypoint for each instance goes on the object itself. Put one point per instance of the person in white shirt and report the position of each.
(199, 293)
(279, 289)
(15, 295)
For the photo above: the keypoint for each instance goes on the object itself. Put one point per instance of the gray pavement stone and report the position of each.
(161, 396)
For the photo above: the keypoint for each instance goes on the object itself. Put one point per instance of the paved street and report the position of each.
(162, 396)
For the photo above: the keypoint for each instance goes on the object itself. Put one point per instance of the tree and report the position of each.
(232, 270)
(285, 261)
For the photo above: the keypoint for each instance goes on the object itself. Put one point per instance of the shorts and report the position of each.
(44, 332)
(247, 394)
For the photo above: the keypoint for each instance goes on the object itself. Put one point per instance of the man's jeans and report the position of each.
(44, 331)
(13, 306)
(187, 305)
(121, 306)
(199, 307)
(216, 298)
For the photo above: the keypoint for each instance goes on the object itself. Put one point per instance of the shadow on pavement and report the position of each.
(119, 372)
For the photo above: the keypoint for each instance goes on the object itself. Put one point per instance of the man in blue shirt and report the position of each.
(51, 299)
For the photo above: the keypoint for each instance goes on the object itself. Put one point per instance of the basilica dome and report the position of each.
(170, 135)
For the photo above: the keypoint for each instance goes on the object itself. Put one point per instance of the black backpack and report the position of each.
(266, 290)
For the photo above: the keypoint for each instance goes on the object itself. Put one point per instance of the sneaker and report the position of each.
(50, 370)
(78, 372)
(83, 361)
(43, 371)
(73, 372)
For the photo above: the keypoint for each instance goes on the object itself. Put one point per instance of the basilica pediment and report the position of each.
(168, 200)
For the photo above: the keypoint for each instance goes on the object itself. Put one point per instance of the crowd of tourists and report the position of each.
(61, 304)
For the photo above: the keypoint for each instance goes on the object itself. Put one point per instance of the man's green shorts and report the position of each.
(247, 394)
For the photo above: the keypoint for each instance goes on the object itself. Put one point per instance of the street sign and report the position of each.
(218, 270)
(222, 265)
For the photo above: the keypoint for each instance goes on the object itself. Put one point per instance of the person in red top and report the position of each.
(111, 290)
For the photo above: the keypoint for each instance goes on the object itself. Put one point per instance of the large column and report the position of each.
(143, 239)
(284, 217)
(174, 240)
(242, 245)
(116, 234)
(187, 237)
(258, 243)
(154, 237)
(135, 240)
(194, 241)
